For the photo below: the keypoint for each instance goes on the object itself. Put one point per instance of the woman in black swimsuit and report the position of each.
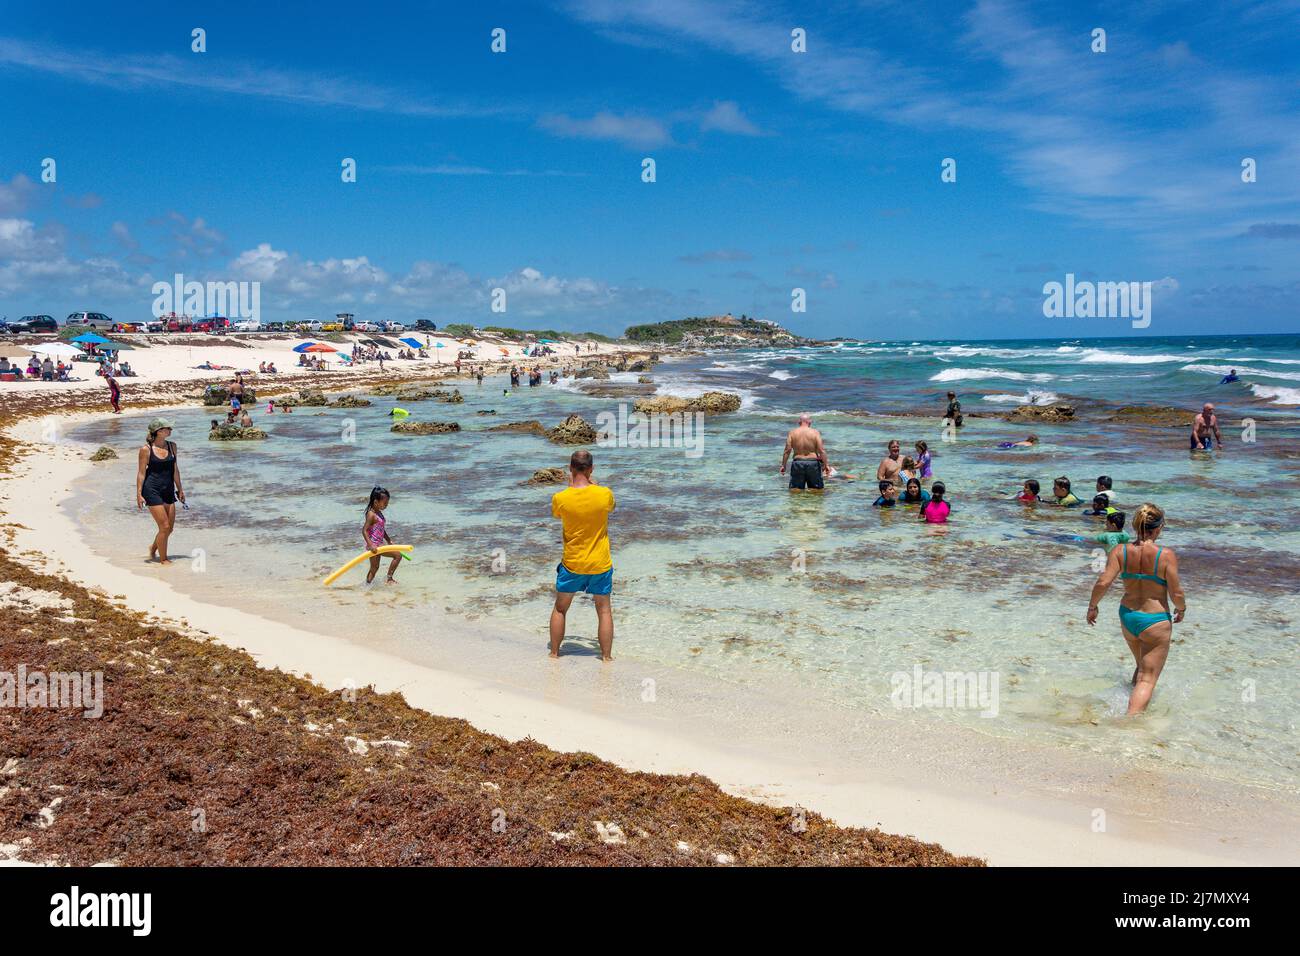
(158, 484)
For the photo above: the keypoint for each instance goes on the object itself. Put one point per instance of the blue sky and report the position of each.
(775, 169)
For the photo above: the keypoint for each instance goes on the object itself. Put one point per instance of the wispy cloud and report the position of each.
(628, 129)
(165, 71)
(717, 255)
(726, 117)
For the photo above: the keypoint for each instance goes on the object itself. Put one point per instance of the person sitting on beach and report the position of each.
(1100, 507)
(1114, 533)
(1229, 378)
(1029, 494)
(1061, 490)
(890, 464)
(1205, 430)
(1144, 617)
(914, 494)
(261, 367)
(4, 364)
(47, 370)
(1104, 486)
(34, 367)
(936, 510)
(64, 371)
(586, 564)
(888, 495)
(923, 461)
(1029, 442)
(810, 464)
(126, 369)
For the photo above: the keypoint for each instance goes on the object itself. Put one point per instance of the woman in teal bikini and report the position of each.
(1144, 616)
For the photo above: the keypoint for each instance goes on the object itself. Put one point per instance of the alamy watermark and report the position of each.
(71, 690)
(953, 690)
(242, 300)
(683, 430)
(1100, 300)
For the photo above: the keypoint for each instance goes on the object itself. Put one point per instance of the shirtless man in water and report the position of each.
(1205, 425)
(889, 465)
(810, 464)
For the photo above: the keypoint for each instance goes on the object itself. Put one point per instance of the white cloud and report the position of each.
(726, 117)
(629, 129)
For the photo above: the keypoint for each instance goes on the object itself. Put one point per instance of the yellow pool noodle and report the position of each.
(382, 549)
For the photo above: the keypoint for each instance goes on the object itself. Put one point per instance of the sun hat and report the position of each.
(158, 424)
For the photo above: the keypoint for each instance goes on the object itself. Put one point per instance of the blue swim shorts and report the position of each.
(566, 582)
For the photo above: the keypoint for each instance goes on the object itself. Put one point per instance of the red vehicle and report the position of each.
(215, 323)
(175, 323)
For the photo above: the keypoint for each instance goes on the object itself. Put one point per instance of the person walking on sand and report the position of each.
(586, 565)
(891, 465)
(810, 466)
(114, 393)
(1151, 584)
(1205, 430)
(158, 484)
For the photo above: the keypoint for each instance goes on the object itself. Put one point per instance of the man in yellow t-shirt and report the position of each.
(584, 509)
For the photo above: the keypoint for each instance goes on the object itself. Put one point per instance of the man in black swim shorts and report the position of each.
(810, 466)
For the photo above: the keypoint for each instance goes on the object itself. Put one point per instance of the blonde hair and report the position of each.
(1147, 519)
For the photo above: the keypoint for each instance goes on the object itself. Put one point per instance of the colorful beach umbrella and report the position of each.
(90, 338)
(320, 347)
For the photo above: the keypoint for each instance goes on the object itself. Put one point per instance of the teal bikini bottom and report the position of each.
(1135, 622)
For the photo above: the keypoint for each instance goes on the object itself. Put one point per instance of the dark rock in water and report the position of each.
(548, 476)
(858, 413)
(417, 394)
(391, 388)
(455, 398)
(103, 454)
(709, 403)
(486, 411)
(574, 430)
(1051, 414)
(532, 427)
(218, 395)
(1153, 415)
(236, 433)
(425, 428)
(350, 401)
(592, 371)
(644, 380)
(641, 365)
(306, 397)
(617, 390)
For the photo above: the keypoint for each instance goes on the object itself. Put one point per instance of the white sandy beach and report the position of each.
(1150, 820)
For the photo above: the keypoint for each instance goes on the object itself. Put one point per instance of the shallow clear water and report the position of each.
(721, 572)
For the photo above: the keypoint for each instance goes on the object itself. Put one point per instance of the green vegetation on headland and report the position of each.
(714, 330)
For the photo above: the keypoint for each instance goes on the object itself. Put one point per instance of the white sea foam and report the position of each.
(1222, 370)
(1093, 356)
(781, 375)
(1279, 396)
(965, 374)
(1033, 396)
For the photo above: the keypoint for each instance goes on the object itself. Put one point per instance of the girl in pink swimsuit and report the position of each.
(374, 532)
(935, 511)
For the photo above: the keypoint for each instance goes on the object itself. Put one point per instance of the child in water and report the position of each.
(1114, 533)
(1061, 490)
(888, 495)
(375, 533)
(936, 510)
(913, 494)
(1100, 506)
(1030, 493)
(923, 461)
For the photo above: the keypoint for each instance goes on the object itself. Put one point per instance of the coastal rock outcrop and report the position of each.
(486, 411)
(455, 398)
(218, 395)
(1050, 414)
(711, 403)
(1153, 415)
(350, 401)
(103, 454)
(310, 397)
(592, 371)
(644, 380)
(236, 433)
(425, 428)
(532, 427)
(548, 476)
(574, 430)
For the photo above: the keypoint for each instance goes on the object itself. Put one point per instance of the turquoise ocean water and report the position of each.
(722, 573)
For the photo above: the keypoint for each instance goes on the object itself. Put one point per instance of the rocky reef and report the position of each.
(711, 403)
(425, 428)
(574, 430)
(548, 476)
(236, 433)
(103, 454)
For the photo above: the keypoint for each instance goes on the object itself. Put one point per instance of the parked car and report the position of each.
(155, 326)
(248, 325)
(424, 325)
(274, 327)
(332, 327)
(33, 323)
(216, 324)
(129, 327)
(394, 327)
(90, 321)
(364, 327)
(176, 323)
(310, 325)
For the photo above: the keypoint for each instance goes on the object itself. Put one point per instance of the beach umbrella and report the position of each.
(15, 351)
(303, 347)
(90, 338)
(55, 349)
(115, 347)
(319, 347)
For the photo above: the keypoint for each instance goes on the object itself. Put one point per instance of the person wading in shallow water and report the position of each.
(584, 508)
(1150, 576)
(810, 466)
(158, 484)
